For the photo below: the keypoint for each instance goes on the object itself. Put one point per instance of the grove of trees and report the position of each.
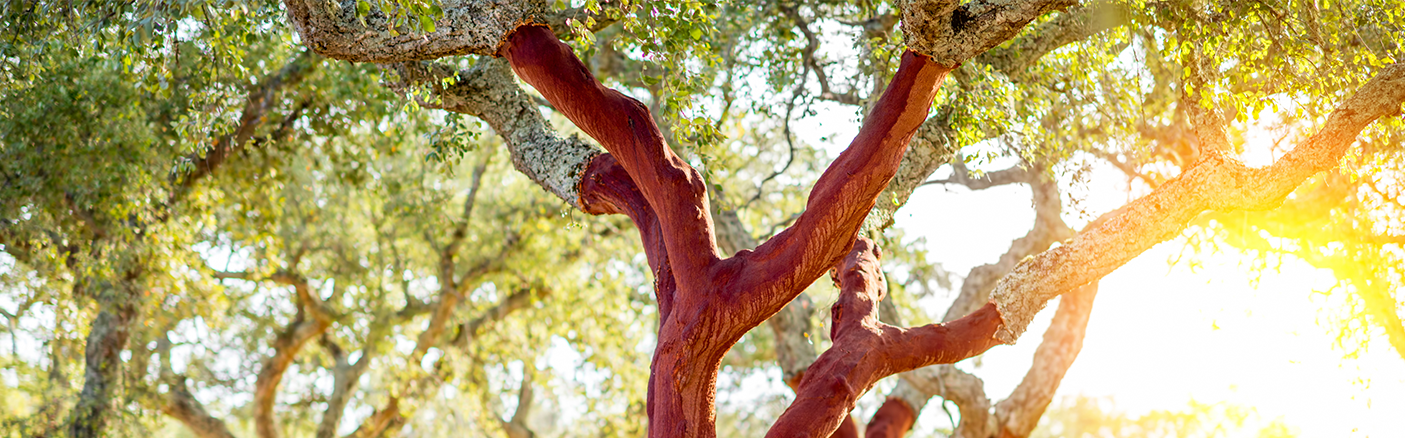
(364, 218)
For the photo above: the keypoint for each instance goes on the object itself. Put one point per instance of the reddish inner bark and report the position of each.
(706, 303)
(892, 420)
(866, 350)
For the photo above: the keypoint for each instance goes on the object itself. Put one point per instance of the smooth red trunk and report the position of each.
(706, 303)
(892, 420)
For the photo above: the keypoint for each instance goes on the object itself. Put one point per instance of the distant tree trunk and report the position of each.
(102, 378)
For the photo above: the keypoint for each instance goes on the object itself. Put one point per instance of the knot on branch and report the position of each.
(950, 32)
(860, 279)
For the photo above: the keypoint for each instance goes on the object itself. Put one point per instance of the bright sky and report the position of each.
(1162, 335)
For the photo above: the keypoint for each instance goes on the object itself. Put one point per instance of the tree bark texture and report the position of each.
(102, 376)
(866, 350)
(707, 302)
(1218, 182)
(693, 342)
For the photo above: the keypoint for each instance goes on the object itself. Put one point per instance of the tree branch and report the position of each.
(961, 176)
(311, 320)
(1218, 182)
(260, 100)
(1075, 24)
(843, 195)
(1018, 414)
(334, 29)
(951, 32)
(674, 190)
(516, 427)
(181, 405)
(866, 350)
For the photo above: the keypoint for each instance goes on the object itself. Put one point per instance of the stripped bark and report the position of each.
(706, 302)
(866, 350)
(686, 403)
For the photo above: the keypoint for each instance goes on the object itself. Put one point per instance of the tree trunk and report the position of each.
(117, 308)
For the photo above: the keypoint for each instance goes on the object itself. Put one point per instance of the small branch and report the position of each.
(181, 405)
(812, 44)
(312, 319)
(516, 427)
(1075, 24)
(1218, 182)
(260, 100)
(1019, 413)
(866, 350)
(961, 176)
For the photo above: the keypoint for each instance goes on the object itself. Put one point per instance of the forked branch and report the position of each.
(866, 350)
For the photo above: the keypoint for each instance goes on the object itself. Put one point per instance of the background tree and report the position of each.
(295, 216)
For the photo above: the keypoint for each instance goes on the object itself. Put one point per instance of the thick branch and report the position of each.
(674, 190)
(843, 195)
(312, 319)
(866, 350)
(488, 91)
(1019, 413)
(1075, 24)
(950, 33)
(1218, 182)
(333, 29)
(181, 405)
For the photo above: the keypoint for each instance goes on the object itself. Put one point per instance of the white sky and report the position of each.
(1162, 335)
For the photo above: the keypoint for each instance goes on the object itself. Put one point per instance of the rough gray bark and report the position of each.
(102, 377)
(965, 390)
(333, 29)
(1217, 182)
(951, 32)
(1048, 228)
(1075, 24)
(489, 91)
(1018, 414)
(932, 147)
